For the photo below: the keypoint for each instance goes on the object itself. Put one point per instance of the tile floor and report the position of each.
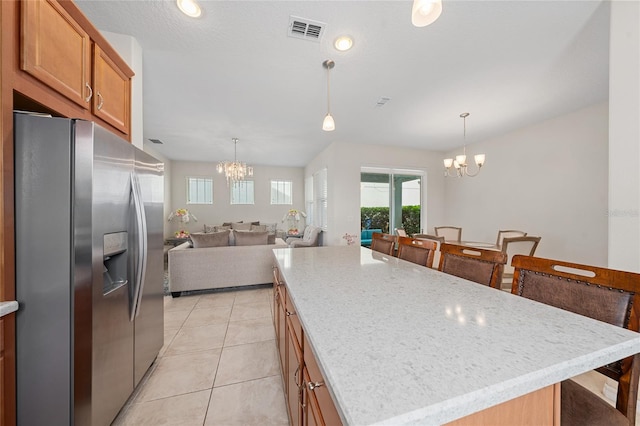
(218, 366)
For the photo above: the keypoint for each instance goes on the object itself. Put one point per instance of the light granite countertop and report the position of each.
(7, 307)
(398, 343)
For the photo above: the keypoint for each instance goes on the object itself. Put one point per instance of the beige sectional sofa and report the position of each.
(220, 267)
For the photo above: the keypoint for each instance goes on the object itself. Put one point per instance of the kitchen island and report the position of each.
(397, 343)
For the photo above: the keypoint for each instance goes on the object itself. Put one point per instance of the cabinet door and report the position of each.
(56, 50)
(311, 410)
(293, 377)
(282, 334)
(315, 385)
(112, 91)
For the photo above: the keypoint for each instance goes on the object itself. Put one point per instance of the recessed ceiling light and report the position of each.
(189, 8)
(343, 43)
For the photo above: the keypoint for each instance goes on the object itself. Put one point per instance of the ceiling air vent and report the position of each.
(306, 29)
(158, 141)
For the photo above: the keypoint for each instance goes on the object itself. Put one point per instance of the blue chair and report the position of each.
(366, 236)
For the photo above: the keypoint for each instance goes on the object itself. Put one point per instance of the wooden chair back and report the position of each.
(400, 232)
(604, 294)
(510, 233)
(513, 246)
(435, 239)
(416, 250)
(383, 243)
(474, 264)
(450, 233)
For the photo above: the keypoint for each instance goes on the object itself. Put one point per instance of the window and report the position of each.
(242, 192)
(199, 190)
(320, 198)
(281, 192)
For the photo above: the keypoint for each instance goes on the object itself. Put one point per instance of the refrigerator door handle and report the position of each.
(141, 261)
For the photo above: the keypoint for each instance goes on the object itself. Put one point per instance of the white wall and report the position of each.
(343, 163)
(624, 136)
(221, 210)
(149, 148)
(549, 180)
(131, 52)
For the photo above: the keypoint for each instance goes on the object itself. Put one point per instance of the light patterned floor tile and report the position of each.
(249, 331)
(256, 402)
(224, 298)
(211, 315)
(180, 374)
(250, 311)
(183, 410)
(190, 339)
(247, 362)
(175, 319)
(169, 334)
(181, 303)
(252, 296)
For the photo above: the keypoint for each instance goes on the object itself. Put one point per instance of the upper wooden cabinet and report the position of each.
(58, 50)
(111, 91)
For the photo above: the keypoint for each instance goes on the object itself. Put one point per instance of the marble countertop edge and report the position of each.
(8, 307)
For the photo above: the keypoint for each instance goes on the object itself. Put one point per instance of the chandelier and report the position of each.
(234, 170)
(460, 163)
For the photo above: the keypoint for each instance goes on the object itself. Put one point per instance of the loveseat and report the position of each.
(366, 235)
(220, 267)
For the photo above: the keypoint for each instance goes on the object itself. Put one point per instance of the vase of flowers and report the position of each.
(351, 238)
(182, 216)
(293, 217)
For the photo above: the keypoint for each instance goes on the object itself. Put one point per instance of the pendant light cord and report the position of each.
(328, 90)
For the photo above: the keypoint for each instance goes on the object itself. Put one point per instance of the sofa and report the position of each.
(220, 267)
(366, 235)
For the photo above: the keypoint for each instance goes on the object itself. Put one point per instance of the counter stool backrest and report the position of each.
(383, 243)
(435, 239)
(509, 234)
(416, 250)
(604, 294)
(450, 233)
(474, 264)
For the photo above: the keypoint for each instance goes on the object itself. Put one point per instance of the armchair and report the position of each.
(309, 238)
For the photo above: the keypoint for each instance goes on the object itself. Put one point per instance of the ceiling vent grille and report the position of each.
(306, 29)
(158, 141)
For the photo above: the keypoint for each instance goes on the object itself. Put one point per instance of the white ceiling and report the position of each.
(234, 72)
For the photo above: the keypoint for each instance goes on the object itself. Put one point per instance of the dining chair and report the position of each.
(474, 264)
(604, 294)
(450, 233)
(438, 241)
(513, 246)
(383, 243)
(509, 234)
(400, 232)
(416, 251)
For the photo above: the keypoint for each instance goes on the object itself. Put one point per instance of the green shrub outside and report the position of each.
(378, 218)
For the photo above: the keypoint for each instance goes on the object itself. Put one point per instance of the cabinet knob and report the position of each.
(88, 98)
(313, 385)
(100, 101)
(289, 313)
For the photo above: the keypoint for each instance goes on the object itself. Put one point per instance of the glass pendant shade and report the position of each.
(328, 124)
(425, 12)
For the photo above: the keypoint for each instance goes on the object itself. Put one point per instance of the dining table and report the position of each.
(475, 244)
(398, 343)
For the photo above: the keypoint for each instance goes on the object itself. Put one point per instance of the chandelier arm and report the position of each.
(466, 172)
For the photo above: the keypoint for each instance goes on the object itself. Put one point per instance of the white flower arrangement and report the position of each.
(182, 216)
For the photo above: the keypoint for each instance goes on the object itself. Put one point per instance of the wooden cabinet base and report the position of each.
(539, 408)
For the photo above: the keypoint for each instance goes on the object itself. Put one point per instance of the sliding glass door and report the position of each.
(390, 199)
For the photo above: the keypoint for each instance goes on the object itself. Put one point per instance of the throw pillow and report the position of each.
(241, 226)
(258, 227)
(271, 238)
(228, 223)
(209, 228)
(250, 238)
(257, 222)
(213, 239)
(219, 228)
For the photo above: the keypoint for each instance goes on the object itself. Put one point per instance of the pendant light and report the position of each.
(459, 165)
(328, 124)
(425, 12)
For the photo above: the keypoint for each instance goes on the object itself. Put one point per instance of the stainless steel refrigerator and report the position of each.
(89, 270)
